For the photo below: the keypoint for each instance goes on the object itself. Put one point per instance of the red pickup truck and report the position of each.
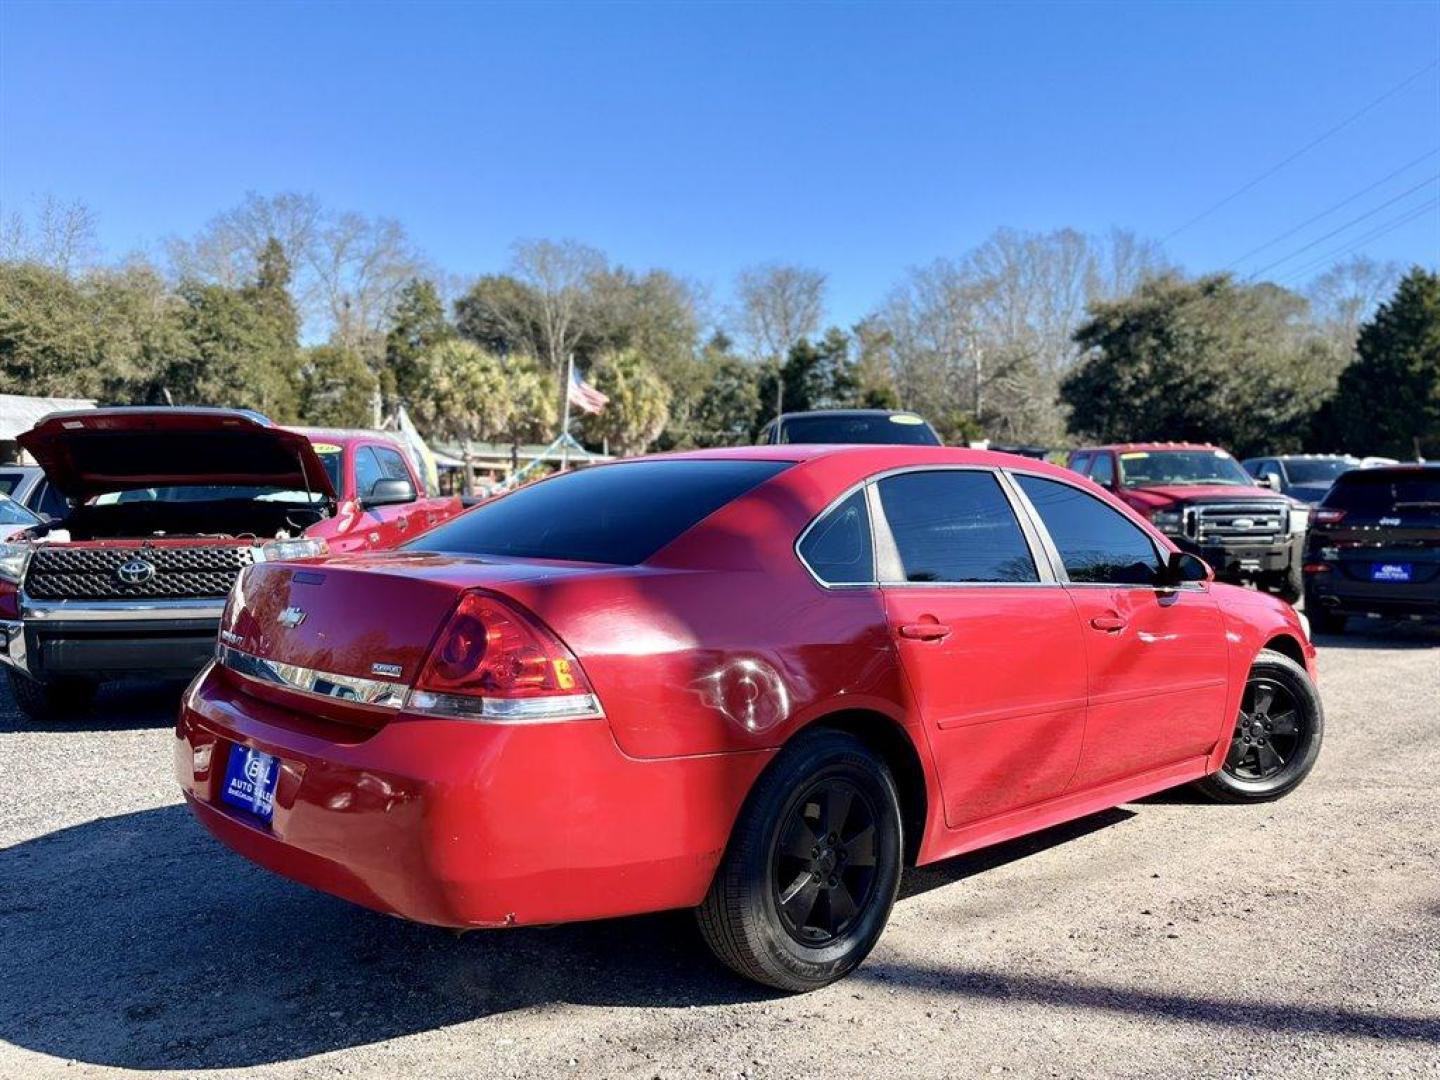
(166, 507)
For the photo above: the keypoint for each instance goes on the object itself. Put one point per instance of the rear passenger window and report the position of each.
(955, 527)
(837, 547)
(1080, 462)
(1097, 543)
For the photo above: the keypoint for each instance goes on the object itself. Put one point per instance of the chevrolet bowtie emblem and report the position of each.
(291, 617)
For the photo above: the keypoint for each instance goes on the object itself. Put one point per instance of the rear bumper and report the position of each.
(1333, 591)
(464, 824)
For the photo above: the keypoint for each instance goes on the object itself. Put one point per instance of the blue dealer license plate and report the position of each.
(1391, 571)
(250, 778)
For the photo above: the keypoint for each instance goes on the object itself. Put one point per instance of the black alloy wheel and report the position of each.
(1277, 734)
(1267, 735)
(812, 867)
(823, 869)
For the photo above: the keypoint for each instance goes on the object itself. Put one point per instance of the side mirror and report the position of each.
(1183, 568)
(1268, 480)
(388, 493)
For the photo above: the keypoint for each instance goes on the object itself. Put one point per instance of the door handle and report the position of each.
(925, 631)
(1111, 624)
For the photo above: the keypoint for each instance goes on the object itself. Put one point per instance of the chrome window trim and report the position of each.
(321, 684)
(120, 610)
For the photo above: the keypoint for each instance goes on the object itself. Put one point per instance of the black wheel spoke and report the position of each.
(1264, 698)
(1238, 751)
(824, 860)
(860, 849)
(799, 905)
(1266, 760)
(1287, 723)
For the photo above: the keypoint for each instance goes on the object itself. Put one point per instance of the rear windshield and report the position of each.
(619, 514)
(9, 482)
(1385, 491)
(899, 428)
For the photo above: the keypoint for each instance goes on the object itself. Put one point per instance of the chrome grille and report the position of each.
(68, 573)
(1237, 523)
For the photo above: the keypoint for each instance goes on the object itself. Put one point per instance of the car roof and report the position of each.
(1136, 447)
(848, 412)
(344, 435)
(876, 455)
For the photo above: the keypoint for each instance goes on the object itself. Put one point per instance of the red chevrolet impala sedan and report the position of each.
(754, 682)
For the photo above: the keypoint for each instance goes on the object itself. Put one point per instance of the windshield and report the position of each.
(1316, 472)
(207, 493)
(1152, 468)
(898, 428)
(329, 456)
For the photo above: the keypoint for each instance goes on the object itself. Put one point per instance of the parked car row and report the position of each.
(755, 682)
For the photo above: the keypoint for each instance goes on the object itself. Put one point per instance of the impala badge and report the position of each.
(390, 671)
(291, 617)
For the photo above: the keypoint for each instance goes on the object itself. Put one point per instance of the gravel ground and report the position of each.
(1174, 937)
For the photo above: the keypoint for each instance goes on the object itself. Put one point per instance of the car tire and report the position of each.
(822, 827)
(1323, 621)
(1277, 734)
(1292, 584)
(57, 700)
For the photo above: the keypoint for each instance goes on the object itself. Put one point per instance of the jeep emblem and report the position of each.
(135, 572)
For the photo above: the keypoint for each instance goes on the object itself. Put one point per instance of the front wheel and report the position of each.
(1291, 586)
(812, 869)
(1277, 735)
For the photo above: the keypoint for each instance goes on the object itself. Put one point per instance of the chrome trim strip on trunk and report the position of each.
(119, 610)
(384, 695)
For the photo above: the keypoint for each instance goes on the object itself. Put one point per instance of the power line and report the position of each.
(1337, 231)
(1302, 151)
(1353, 245)
(1331, 209)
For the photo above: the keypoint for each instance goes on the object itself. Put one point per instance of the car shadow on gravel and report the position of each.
(1215, 1011)
(140, 942)
(132, 705)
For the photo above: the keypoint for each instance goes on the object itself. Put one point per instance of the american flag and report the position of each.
(584, 396)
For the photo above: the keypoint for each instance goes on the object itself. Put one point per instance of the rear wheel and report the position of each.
(1277, 735)
(57, 700)
(812, 869)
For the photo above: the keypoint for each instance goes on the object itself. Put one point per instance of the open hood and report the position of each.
(91, 451)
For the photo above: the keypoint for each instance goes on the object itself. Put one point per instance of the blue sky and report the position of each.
(860, 139)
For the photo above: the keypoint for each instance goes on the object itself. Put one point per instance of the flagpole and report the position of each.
(565, 424)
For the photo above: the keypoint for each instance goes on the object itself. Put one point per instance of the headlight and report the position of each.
(285, 550)
(1168, 521)
(13, 560)
(1299, 518)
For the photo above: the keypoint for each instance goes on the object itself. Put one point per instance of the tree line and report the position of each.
(334, 319)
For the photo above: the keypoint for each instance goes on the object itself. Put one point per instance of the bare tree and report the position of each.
(560, 274)
(348, 268)
(57, 234)
(1344, 296)
(778, 305)
(360, 265)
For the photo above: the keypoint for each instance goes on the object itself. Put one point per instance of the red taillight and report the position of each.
(495, 662)
(1326, 516)
(9, 600)
(1315, 568)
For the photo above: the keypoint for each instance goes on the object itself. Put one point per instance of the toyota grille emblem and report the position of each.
(135, 572)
